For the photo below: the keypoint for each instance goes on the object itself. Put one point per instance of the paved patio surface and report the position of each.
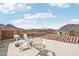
(60, 49)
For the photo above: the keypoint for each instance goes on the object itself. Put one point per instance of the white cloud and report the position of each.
(18, 21)
(27, 26)
(74, 21)
(33, 19)
(22, 21)
(11, 7)
(39, 16)
(22, 7)
(40, 1)
(61, 5)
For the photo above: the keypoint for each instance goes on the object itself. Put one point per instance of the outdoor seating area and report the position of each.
(19, 47)
(27, 42)
(39, 47)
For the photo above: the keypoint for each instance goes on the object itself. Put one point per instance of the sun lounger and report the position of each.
(24, 45)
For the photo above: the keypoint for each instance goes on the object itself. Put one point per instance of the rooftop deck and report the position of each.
(60, 49)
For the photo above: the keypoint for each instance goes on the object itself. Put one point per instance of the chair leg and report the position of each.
(21, 49)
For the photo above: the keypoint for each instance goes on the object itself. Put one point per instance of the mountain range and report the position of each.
(69, 27)
(9, 27)
(65, 28)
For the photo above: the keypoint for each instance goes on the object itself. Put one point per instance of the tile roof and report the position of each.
(62, 38)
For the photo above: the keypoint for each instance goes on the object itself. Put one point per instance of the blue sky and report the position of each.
(39, 15)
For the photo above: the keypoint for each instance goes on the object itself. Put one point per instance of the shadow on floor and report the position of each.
(4, 49)
(46, 53)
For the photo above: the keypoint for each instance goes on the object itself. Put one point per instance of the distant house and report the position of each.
(0, 33)
(6, 34)
(62, 33)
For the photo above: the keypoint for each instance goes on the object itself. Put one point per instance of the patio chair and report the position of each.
(16, 37)
(38, 43)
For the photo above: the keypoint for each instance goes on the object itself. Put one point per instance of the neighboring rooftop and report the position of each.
(62, 38)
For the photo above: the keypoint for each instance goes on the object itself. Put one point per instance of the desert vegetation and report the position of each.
(37, 32)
